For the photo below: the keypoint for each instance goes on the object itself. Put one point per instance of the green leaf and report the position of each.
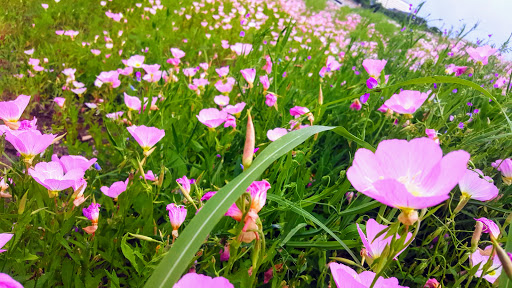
(128, 252)
(308, 215)
(23, 203)
(178, 258)
(340, 130)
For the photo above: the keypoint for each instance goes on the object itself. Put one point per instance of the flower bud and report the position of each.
(249, 142)
(476, 235)
(504, 259)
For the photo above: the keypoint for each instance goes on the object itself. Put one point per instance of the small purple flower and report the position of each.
(371, 83)
(469, 104)
(309, 57)
(218, 156)
(138, 75)
(476, 111)
(454, 90)
(364, 97)
(284, 75)
(452, 117)
(97, 166)
(242, 33)
(461, 125)
(435, 85)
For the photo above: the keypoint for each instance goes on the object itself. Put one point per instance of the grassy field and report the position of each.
(277, 106)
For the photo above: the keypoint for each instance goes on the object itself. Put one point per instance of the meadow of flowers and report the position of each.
(249, 143)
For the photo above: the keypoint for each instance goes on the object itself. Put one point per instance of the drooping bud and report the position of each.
(250, 140)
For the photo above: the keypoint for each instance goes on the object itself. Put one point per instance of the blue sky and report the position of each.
(494, 17)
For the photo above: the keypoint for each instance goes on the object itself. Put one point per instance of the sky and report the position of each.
(494, 17)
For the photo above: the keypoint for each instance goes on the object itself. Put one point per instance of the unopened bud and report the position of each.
(250, 140)
(479, 226)
(504, 259)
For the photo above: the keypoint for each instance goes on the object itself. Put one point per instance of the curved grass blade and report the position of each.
(308, 215)
(454, 80)
(178, 258)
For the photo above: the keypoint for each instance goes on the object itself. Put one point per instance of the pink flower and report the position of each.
(222, 71)
(185, 183)
(193, 280)
(234, 110)
(212, 117)
(221, 100)
(356, 105)
(177, 215)
(406, 102)
(108, 77)
(29, 143)
(153, 73)
(150, 176)
(4, 238)
(474, 185)
(374, 67)
(270, 99)
(490, 227)
(298, 111)
(136, 61)
(71, 162)
(115, 115)
(60, 101)
(52, 176)
(258, 191)
(407, 174)
(230, 121)
(115, 189)
(432, 134)
(189, 72)
(332, 64)
(432, 283)
(147, 137)
(276, 133)
(11, 111)
(132, 102)
(78, 192)
(241, 49)
(225, 87)
(92, 212)
(224, 254)
(345, 276)
(79, 91)
(482, 257)
(481, 54)
(208, 195)
(177, 53)
(7, 281)
(268, 64)
(505, 167)
(249, 75)
(458, 70)
(265, 82)
(95, 52)
(375, 245)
